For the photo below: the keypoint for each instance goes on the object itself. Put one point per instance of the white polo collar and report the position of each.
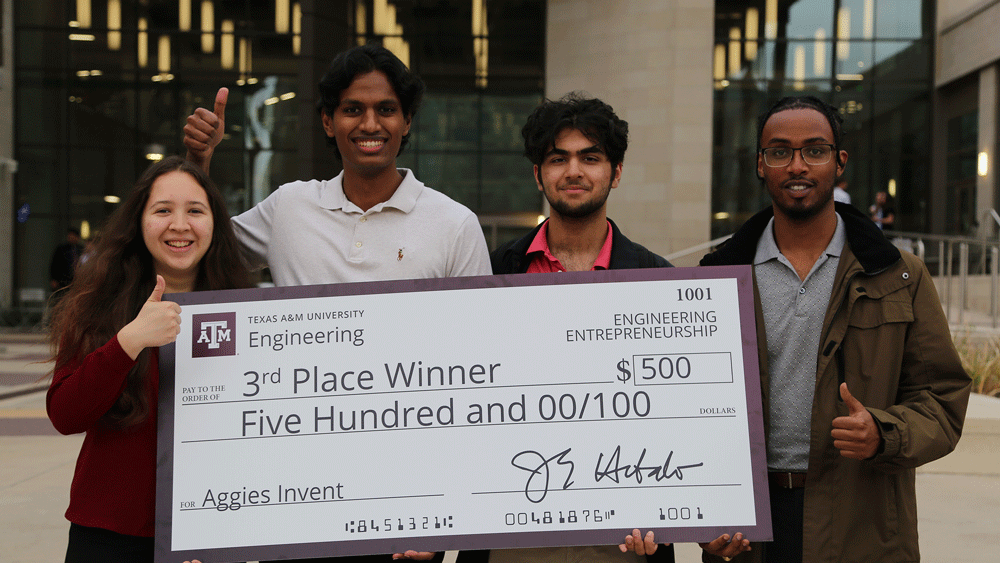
(403, 199)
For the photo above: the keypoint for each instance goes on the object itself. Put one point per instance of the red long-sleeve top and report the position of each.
(114, 486)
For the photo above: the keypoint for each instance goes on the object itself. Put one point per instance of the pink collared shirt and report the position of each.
(545, 262)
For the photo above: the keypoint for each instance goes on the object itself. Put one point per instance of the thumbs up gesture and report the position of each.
(158, 323)
(204, 131)
(855, 435)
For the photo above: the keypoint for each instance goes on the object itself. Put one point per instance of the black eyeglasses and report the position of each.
(812, 154)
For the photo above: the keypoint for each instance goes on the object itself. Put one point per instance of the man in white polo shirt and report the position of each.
(373, 221)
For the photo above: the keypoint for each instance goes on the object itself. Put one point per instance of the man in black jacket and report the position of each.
(577, 146)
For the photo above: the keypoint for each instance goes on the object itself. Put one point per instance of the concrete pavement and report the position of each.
(23, 365)
(958, 496)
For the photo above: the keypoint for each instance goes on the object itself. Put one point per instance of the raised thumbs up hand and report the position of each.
(855, 435)
(204, 131)
(157, 294)
(158, 323)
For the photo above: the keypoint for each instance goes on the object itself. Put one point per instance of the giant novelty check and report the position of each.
(489, 412)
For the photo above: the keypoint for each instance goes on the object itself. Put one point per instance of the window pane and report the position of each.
(158, 115)
(39, 174)
(100, 56)
(102, 115)
(808, 60)
(454, 174)
(45, 13)
(38, 49)
(508, 185)
(764, 64)
(903, 60)
(806, 18)
(41, 105)
(228, 167)
(856, 19)
(900, 19)
(36, 239)
(92, 171)
(854, 59)
(503, 117)
(268, 121)
(448, 122)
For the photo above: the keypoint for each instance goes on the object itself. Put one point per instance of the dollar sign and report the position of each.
(624, 374)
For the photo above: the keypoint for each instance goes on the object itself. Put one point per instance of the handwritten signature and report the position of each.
(537, 466)
(539, 469)
(614, 469)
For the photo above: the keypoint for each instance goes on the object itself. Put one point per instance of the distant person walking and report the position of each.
(882, 212)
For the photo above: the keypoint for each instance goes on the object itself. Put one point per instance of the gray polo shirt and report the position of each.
(793, 320)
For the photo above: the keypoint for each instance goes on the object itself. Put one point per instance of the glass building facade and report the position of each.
(103, 86)
(872, 59)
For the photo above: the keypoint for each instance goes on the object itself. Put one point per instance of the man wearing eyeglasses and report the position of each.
(860, 378)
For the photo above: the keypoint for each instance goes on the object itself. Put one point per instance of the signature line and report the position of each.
(521, 491)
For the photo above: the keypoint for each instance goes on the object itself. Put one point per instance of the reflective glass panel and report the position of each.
(448, 122)
(39, 170)
(870, 59)
(807, 18)
(89, 109)
(901, 19)
(508, 185)
(903, 60)
(502, 119)
(855, 19)
(455, 174)
(855, 60)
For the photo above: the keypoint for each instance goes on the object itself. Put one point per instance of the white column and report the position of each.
(651, 60)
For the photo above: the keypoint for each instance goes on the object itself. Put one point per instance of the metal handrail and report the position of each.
(697, 248)
(947, 253)
(926, 236)
(993, 213)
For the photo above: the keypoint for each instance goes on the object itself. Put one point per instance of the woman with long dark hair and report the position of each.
(171, 235)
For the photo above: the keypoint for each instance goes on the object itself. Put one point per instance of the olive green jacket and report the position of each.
(886, 335)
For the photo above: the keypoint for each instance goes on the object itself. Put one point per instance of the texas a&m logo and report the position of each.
(214, 334)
